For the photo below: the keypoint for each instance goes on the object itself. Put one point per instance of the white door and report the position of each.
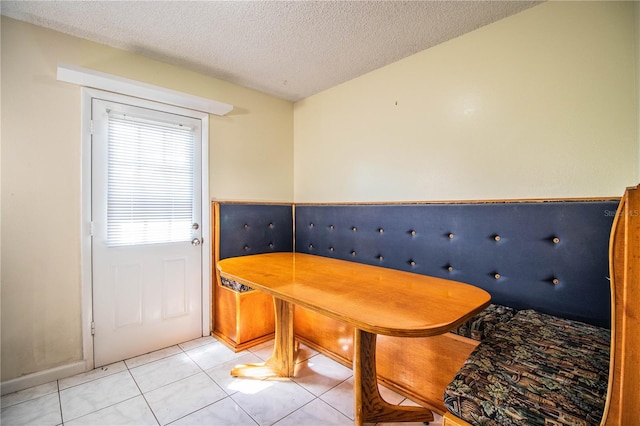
(146, 230)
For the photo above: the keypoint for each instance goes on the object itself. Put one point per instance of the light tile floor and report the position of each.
(189, 384)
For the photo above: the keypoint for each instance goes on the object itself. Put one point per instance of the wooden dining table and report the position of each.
(373, 299)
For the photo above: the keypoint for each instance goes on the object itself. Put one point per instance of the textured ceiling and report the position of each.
(289, 49)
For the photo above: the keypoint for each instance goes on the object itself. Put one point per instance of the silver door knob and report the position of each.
(195, 242)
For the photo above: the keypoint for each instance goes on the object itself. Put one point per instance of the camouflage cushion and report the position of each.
(485, 322)
(536, 369)
(234, 285)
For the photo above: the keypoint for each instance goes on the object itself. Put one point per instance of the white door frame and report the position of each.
(85, 210)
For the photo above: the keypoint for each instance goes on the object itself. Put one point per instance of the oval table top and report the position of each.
(371, 298)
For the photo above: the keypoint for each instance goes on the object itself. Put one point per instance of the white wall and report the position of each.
(250, 159)
(538, 105)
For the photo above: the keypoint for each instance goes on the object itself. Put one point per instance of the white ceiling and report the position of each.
(289, 49)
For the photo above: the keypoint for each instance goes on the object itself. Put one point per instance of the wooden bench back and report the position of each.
(623, 400)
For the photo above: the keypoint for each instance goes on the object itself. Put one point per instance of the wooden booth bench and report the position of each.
(545, 264)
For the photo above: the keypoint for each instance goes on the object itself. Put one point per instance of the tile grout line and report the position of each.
(142, 393)
(59, 401)
(201, 370)
(128, 369)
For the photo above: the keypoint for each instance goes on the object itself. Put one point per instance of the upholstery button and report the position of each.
(449, 268)
(496, 276)
(497, 237)
(354, 229)
(246, 226)
(330, 248)
(310, 246)
(412, 263)
(271, 225)
(555, 281)
(311, 225)
(380, 257)
(270, 245)
(353, 253)
(556, 240)
(413, 233)
(381, 230)
(451, 236)
(246, 248)
(330, 226)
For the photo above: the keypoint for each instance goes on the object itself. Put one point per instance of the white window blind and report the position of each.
(150, 189)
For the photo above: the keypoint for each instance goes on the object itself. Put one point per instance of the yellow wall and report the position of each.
(250, 158)
(541, 104)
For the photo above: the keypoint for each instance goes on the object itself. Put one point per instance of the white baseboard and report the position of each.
(42, 377)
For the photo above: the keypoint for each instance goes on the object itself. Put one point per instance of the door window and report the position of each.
(150, 180)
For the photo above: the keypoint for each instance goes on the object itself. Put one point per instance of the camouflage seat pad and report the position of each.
(485, 322)
(535, 369)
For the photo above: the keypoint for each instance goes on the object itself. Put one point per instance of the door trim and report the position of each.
(108, 82)
(85, 211)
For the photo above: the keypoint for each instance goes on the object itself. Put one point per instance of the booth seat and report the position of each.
(547, 256)
(243, 317)
(535, 369)
(539, 369)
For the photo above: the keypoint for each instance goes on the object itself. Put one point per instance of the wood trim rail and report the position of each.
(488, 201)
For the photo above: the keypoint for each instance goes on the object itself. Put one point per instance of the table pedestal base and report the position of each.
(282, 361)
(369, 405)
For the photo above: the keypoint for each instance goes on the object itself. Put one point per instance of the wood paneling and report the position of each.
(421, 368)
(242, 320)
(331, 337)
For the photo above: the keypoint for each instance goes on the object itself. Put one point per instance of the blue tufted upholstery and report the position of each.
(249, 228)
(548, 256)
